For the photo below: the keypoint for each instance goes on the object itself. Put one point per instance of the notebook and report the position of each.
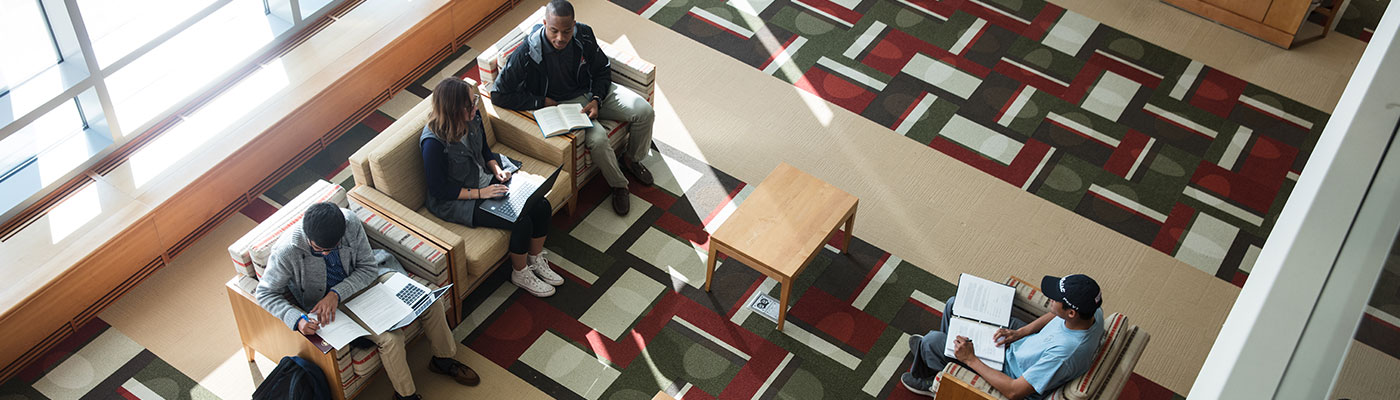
(524, 190)
(981, 308)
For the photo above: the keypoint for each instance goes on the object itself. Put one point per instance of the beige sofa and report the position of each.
(1122, 346)
(628, 71)
(389, 180)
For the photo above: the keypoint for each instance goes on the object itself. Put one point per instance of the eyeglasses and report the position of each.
(321, 250)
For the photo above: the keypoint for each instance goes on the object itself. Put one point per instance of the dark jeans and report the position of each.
(532, 224)
(928, 356)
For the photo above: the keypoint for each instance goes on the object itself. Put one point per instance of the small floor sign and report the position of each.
(765, 305)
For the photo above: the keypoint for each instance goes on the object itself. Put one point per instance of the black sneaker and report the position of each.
(414, 396)
(916, 385)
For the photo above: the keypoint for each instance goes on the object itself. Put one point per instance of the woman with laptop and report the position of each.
(461, 170)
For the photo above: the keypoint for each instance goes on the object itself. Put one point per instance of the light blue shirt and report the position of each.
(1054, 356)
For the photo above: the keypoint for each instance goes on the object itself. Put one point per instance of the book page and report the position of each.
(551, 121)
(984, 300)
(574, 116)
(379, 308)
(983, 340)
(342, 331)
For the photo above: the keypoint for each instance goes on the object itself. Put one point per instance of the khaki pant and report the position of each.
(621, 105)
(392, 344)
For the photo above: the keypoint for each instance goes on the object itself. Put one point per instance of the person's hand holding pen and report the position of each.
(309, 325)
(963, 350)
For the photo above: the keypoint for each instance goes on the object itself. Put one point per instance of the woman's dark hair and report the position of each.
(324, 224)
(451, 100)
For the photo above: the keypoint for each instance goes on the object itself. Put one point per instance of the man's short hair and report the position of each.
(560, 8)
(324, 224)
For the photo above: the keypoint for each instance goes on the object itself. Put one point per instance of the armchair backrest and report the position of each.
(392, 162)
(1119, 349)
(250, 252)
(629, 70)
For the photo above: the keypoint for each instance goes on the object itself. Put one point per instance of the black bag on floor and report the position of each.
(294, 378)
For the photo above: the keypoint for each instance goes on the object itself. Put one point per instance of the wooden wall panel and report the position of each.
(52, 313)
(29, 329)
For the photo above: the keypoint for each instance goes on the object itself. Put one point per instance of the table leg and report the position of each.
(710, 264)
(783, 305)
(850, 225)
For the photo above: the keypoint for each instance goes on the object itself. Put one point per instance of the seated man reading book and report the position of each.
(560, 62)
(1040, 356)
(328, 255)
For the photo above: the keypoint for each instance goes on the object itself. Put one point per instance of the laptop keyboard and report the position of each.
(410, 293)
(514, 203)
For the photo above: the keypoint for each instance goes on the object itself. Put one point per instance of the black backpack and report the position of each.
(294, 378)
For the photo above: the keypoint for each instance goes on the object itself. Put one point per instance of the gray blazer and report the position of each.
(294, 273)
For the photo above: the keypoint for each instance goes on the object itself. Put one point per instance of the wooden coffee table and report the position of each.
(781, 227)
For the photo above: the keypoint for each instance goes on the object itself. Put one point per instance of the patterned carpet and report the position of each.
(632, 318)
(99, 362)
(1174, 154)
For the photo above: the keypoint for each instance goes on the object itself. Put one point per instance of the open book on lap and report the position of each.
(560, 119)
(982, 307)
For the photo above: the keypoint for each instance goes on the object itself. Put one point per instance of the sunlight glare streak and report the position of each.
(73, 213)
(207, 122)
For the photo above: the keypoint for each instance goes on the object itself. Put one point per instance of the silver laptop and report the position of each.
(524, 190)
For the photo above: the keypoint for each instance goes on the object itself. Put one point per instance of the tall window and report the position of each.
(81, 78)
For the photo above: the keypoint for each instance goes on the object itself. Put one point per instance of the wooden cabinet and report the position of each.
(1273, 21)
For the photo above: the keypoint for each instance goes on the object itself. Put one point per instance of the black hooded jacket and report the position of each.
(523, 81)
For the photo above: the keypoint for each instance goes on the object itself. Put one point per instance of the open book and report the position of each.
(981, 308)
(383, 306)
(560, 119)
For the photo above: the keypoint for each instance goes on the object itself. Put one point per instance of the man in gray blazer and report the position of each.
(326, 256)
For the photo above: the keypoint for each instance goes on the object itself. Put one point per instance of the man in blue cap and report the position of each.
(1040, 356)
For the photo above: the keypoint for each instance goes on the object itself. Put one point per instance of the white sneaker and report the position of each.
(541, 268)
(527, 280)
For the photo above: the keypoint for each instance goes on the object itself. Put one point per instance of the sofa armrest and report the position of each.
(958, 383)
(1029, 299)
(513, 129)
(445, 239)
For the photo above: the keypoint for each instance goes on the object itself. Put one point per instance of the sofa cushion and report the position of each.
(397, 162)
(250, 252)
(419, 257)
(366, 360)
(1117, 333)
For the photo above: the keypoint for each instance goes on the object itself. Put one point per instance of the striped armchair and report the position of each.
(628, 71)
(347, 369)
(1119, 351)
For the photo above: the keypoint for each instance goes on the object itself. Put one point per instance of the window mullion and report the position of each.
(296, 13)
(95, 74)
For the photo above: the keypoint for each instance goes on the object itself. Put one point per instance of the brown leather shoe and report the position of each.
(622, 201)
(455, 369)
(638, 171)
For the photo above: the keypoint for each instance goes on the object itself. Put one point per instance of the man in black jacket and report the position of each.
(560, 62)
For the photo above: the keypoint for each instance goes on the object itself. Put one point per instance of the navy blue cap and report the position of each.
(1079, 292)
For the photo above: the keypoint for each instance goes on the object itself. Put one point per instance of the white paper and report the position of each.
(379, 308)
(341, 331)
(983, 341)
(983, 300)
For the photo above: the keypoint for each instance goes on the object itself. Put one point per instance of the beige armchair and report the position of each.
(1119, 352)
(389, 180)
(628, 71)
